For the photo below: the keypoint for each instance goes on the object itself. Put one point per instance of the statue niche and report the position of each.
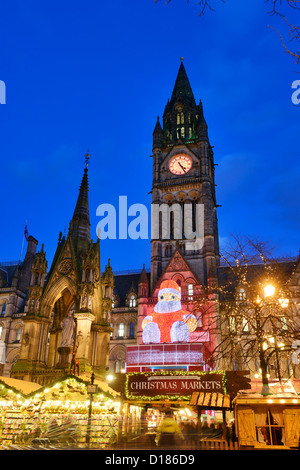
(64, 327)
(67, 339)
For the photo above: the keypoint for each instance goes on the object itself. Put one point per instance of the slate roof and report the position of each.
(7, 272)
(123, 284)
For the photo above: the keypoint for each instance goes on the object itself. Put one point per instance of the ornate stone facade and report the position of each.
(46, 314)
(68, 307)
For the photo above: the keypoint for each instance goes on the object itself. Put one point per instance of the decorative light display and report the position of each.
(66, 403)
(168, 323)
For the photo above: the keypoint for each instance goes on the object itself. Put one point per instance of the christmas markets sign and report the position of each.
(173, 385)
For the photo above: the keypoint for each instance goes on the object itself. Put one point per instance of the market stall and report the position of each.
(58, 414)
(163, 390)
(268, 421)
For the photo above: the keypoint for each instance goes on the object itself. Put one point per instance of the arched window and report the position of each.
(18, 338)
(190, 291)
(117, 366)
(245, 325)
(3, 308)
(132, 301)
(131, 330)
(284, 324)
(180, 125)
(180, 118)
(194, 215)
(242, 294)
(121, 330)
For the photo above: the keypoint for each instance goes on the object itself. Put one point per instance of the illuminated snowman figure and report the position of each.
(168, 323)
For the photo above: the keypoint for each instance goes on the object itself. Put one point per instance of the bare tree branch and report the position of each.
(254, 331)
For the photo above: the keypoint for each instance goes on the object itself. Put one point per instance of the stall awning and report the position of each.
(20, 385)
(211, 400)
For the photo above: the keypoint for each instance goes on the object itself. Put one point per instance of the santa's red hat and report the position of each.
(170, 286)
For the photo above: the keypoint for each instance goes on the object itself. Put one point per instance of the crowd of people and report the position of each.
(169, 431)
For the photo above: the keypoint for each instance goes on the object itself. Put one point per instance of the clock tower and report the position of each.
(184, 208)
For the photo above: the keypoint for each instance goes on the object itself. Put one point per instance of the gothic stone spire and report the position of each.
(80, 223)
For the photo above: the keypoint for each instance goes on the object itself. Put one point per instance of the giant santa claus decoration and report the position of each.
(168, 323)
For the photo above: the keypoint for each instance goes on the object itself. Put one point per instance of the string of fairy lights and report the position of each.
(58, 398)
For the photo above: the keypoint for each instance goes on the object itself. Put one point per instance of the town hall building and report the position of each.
(165, 318)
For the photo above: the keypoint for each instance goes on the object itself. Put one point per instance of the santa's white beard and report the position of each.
(167, 306)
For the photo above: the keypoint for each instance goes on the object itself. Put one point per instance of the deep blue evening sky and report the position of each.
(97, 74)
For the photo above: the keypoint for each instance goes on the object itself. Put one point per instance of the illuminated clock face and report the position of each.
(180, 164)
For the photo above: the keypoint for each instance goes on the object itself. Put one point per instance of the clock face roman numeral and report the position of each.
(180, 164)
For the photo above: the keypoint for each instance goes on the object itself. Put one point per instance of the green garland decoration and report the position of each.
(173, 373)
(5, 387)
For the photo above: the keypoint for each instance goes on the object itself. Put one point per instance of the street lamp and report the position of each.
(269, 290)
(91, 389)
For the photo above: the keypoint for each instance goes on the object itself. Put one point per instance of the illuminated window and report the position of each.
(117, 366)
(180, 118)
(269, 426)
(284, 324)
(132, 301)
(242, 294)
(232, 323)
(121, 330)
(190, 291)
(19, 334)
(245, 325)
(112, 332)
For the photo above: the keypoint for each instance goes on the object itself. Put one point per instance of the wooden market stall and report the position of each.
(58, 414)
(268, 421)
(148, 395)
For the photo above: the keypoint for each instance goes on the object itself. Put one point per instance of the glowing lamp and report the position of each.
(269, 290)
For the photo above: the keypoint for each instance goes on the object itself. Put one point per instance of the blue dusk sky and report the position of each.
(96, 75)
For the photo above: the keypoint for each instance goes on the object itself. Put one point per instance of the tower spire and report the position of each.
(80, 223)
(182, 89)
(181, 113)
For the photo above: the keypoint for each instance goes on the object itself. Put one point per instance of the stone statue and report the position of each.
(68, 328)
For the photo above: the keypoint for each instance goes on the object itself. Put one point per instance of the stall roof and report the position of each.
(274, 398)
(30, 388)
(20, 385)
(291, 386)
(211, 400)
(101, 384)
